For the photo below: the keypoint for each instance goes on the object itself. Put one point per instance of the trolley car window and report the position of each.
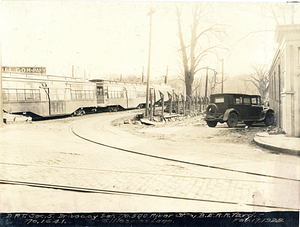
(12, 95)
(28, 95)
(4, 95)
(21, 94)
(37, 95)
(61, 95)
(68, 93)
(73, 95)
(79, 95)
(53, 95)
(99, 91)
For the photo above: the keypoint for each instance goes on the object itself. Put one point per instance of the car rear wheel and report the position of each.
(212, 123)
(232, 120)
(270, 119)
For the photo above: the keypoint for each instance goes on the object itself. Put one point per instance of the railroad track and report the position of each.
(262, 178)
(265, 177)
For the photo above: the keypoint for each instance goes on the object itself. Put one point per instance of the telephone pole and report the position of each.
(206, 82)
(149, 57)
(222, 76)
(166, 78)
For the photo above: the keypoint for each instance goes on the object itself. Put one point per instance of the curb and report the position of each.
(259, 142)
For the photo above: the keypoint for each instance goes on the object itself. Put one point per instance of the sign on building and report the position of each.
(40, 70)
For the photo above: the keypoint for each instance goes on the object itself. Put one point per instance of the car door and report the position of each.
(256, 107)
(238, 104)
(246, 114)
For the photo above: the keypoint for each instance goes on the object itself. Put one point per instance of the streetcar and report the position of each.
(40, 95)
(116, 95)
(46, 95)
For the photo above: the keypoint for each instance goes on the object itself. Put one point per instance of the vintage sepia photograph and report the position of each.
(159, 113)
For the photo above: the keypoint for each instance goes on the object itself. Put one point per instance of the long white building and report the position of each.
(284, 87)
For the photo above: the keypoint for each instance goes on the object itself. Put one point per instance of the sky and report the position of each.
(104, 38)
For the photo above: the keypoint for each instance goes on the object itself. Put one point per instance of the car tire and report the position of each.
(269, 119)
(232, 120)
(212, 109)
(212, 124)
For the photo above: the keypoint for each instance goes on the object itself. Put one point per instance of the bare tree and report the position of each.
(213, 82)
(199, 45)
(280, 13)
(259, 78)
(197, 84)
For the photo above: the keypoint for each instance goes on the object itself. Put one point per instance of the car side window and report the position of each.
(254, 101)
(219, 99)
(247, 101)
(238, 100)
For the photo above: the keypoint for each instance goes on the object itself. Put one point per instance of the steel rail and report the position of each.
(130, 172)
(115, 192)
(177, 160)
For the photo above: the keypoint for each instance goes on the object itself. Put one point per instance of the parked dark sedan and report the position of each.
(233, 108)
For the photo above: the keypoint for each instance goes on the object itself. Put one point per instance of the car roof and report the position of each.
(235, 94)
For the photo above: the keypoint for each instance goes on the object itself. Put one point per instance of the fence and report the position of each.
(176, 105)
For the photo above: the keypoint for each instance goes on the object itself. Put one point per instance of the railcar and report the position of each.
(119, 95)
(45, 95)
(49, 96)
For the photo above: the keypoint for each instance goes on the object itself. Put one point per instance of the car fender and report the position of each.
(228, 111)
(264, 113)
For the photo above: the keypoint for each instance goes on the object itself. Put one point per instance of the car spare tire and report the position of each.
(211, 109)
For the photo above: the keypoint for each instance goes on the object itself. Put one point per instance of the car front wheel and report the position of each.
(232, 120)
(270, 119)
(212, 123)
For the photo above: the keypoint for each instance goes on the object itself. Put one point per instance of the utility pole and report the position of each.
(222, 76)
(206, 82)
(72, 70)
(149, 56)
(143, 75)
(166, 78)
